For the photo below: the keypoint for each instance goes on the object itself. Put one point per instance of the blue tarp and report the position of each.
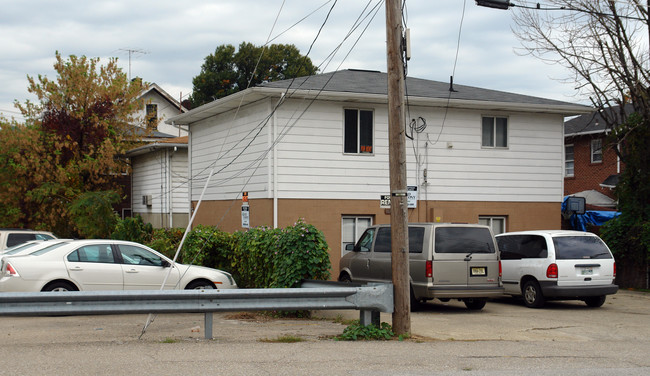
(591, 217)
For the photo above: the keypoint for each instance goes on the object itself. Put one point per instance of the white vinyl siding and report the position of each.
(310, 163)
(164, 179)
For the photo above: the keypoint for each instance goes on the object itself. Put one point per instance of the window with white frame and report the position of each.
(351, 229)
(497, 224)
(569, 165)
(494, 132)
(358, 132)
(596, 151)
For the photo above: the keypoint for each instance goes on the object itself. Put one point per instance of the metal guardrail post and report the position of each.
(207, 323)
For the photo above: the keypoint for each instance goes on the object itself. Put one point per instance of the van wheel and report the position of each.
(532, 294)
(474, 304)
(595, 301)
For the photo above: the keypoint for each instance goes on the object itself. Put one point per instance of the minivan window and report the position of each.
(517, 247)
(580, 247)
(463, 240)
(416, 238)
(365, 243)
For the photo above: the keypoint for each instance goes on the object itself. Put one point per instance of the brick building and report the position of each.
(591, 166)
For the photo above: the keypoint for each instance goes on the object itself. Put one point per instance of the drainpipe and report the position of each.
(275, 167)
(170, 190)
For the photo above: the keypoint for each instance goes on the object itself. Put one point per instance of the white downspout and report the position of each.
(275, 168)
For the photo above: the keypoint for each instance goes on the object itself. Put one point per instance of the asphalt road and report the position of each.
(505, 338)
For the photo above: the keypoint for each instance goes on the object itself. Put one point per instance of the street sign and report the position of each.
(411, 198)
(245, 216)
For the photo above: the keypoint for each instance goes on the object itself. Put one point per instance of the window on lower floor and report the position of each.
(497, 224)
(351, 229)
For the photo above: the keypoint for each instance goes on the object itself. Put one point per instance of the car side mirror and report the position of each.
(165, 264)
(350, 247)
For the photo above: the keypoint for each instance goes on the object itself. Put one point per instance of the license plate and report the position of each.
(477, 271)
(587, 271)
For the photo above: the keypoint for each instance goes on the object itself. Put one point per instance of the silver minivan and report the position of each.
(447, 261)
(557, 265)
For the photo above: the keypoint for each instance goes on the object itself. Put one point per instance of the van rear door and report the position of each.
(583, 260)
(464, 255)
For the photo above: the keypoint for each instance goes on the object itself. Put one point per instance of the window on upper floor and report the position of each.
(494, 131)
(568, 160)
(358, 131)
(596, 150)
(151, 114)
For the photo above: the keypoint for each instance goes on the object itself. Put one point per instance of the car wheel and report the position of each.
(345, 278)
(200, 284)
(595, 301)
(59, 286)
(474, 304)
(532, 294)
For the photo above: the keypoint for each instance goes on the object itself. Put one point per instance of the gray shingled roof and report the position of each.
(375, 82)
(372, 86)
(592, 122)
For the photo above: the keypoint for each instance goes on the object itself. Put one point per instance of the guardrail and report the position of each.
(370, 300)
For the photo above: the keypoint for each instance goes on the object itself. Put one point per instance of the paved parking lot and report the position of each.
(505, 338)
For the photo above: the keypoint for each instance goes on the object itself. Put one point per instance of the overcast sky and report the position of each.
(169, 40)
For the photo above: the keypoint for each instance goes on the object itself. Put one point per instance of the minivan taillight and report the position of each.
(500, 270)
(429, 269)
(551, 271)
(614, 270)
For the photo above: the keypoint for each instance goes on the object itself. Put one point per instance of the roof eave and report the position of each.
(145, 149)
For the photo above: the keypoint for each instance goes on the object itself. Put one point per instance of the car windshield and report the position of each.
(580, 247)
(463, 240)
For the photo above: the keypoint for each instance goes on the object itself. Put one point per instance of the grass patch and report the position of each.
(169, 340)
(283, 339)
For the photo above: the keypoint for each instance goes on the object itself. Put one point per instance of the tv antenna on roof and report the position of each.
(132, 51)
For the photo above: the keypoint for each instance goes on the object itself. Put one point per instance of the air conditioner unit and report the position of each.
(147, 200)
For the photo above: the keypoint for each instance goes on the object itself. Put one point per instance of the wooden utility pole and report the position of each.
(397, 166)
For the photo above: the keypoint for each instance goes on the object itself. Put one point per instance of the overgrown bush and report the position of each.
(133, 229)
(260, 257)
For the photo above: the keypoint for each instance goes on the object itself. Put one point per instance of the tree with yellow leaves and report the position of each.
(58, 167)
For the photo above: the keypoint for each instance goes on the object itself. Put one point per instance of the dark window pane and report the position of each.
(487, 131)
(463, 240)
(502, 132)
(382, 244)
(580, 247)
(366, 131)
(351, 132)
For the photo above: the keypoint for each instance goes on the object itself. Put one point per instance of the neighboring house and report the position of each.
(159, 182)
(157, 106)
(592, 167)
(317, 148)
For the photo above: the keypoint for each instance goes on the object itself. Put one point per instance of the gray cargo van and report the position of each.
(447, 261)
